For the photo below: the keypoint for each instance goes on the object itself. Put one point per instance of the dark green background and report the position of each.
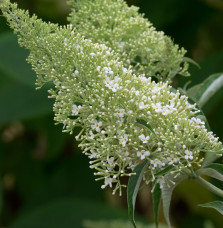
(45, 180)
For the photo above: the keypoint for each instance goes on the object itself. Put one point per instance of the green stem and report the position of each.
(209, 186)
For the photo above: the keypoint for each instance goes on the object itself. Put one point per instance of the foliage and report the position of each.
(115, 224)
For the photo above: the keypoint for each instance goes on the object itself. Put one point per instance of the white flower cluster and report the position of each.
(132, 37)
(112, 84)
(123, 119)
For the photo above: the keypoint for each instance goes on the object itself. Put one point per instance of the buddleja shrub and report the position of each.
(103, 66)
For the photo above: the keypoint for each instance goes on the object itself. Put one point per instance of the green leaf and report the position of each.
(116, 224)
(211, 156)
(189, 60)
(13, 60)
(217, 205)
(133, 187)
(144, 123)
(209, 186)
(192, 91)
(203, 92)
(1, 198)
(167, 192)
(213, 170)
(156, 203)
(210, 86)
(66, 212)
(164, 171)
(19, 102)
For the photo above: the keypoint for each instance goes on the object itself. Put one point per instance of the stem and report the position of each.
(209, 186)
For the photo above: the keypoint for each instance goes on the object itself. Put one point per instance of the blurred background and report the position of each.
(45, 181)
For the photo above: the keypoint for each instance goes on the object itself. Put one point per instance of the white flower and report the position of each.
(137, 93)
(142, 154)
(125, 70)
(161, 181)
(107, 70)
(114, 86)
(198, 121)
(79, 48)
(142, 105)
(144, 79)
(111, 161)
(156, 163)
(188, 155)
(189, 106)
(165, 111)
(76, 72)
(144, 138)
(172, 159)
(171, 107)
(91, 135)
(157, 107)
(108, 181)
(93, 154)
(108, 82)
(120, 112)
(156, 89)
(121, 45)
(126, 152)
(117, 79)
(96, 126)
(132, 165)
(124, 139)
(76, 109)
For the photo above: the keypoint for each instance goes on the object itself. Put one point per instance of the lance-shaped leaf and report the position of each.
(213, 170)
(133, 187)
(203, 92)
(210, 86)
(29, 102)
(156, 203)
(217, 205)
(164, 171)
(209, 186)
(12, 60)
(189, 60)
(167, 192)
(145, 124)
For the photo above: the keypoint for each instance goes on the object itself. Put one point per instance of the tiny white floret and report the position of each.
(144, 138)
(142, 154)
